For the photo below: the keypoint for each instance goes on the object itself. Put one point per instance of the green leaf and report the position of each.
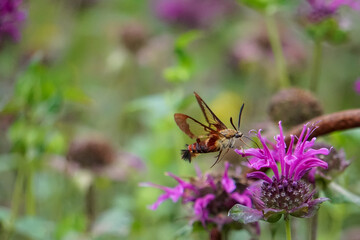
(183, 69)
(8, 162)
(177, 73)
(4, 214)
(185, 39)
(69, 225)
(35, 228)
(56, 143)
(327, 30)
(272, 215)
(245, 214)
(183, 232)
(76, 95)
(263, 5)
(115, 222)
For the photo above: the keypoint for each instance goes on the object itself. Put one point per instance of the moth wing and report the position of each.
(192, 127)
(212, 120)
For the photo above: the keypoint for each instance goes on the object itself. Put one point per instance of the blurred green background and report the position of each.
(115, 69)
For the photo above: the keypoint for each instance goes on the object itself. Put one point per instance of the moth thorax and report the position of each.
(229, 133)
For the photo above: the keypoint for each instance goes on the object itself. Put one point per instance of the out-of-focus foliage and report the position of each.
(116, 69)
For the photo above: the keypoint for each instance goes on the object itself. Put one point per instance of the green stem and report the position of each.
(316, 65)
(276, 46)
(16, 199)
(313, 226)
(288, 228)
(29, 191)
(272, 231)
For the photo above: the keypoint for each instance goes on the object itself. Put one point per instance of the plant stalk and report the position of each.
(288, 228)
(90, 205)
(316, 65)
(16, 199)
(276, 46)
(215, 234)
(313, 227)
(29, 191)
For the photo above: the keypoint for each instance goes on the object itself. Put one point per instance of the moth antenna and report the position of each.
(241, 109)
(245, 143)
(232, 123)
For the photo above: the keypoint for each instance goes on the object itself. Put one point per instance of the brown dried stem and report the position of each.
(330, 123)
(90, 206)
(215, 234)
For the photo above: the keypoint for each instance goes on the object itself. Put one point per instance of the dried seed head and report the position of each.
(294, 106)
(91, 152)
(133, 36)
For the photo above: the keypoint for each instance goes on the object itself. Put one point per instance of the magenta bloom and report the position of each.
(357, 86)
(192, 14)
(286, 192)
(10, 19)
(210, 196)
(322, 9)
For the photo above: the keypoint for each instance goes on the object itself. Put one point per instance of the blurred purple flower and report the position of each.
(254, 48)
(357, 86)
(211, 196)
(10, 19)
(192, 14)
(337, 164)
(286, 192)
(322, 9)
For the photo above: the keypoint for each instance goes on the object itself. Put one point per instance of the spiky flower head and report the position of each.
(193, 14)
(210, 196)
(323, 9)
(286, 192)
(11, 17)
(336, 161)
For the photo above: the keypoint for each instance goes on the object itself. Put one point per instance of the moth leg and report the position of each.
(220, 157)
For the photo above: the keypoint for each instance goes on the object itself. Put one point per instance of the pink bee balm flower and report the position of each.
(211, 196)
(285, 192)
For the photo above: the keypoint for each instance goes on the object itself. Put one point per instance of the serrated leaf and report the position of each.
(245, 214)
